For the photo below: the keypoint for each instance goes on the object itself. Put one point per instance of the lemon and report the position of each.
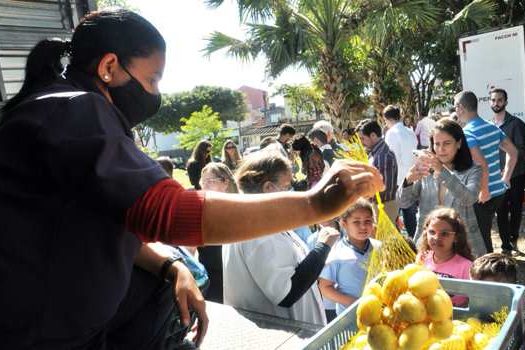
(411, 269)
(369, 310)
(439, 306)
(413, 337)
(464, 330)
(423, 283)
(382, 337)
(441, 329)
(480, 341)
(373, 288)
(410, 309)
(395, 284)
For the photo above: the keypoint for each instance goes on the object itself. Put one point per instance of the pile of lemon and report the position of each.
(411, 311)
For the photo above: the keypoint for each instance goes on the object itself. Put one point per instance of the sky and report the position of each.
(185, 24)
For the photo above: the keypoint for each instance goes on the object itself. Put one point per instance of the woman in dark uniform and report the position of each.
(78, 198)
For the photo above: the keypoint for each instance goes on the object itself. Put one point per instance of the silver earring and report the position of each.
(106, 77)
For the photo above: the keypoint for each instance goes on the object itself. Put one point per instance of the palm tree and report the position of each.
(418, 56)
(313, 34)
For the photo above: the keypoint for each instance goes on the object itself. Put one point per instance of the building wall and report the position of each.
(25, 22)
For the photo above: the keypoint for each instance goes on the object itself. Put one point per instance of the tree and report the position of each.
(302, 99)
(313, 34)
(101, 4)
(228, 103)
(203, 124)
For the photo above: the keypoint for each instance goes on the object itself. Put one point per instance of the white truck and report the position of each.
(495, 59)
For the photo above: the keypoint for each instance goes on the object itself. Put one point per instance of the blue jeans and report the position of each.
(409, 219)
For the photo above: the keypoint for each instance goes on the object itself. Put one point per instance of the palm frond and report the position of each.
(243, 50)
(386, 22)
(476, 15)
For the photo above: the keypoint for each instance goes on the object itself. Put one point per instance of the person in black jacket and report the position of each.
(509, 213)
(199, 158)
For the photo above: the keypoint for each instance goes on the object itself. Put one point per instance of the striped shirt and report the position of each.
(487, 137)
(385, 161)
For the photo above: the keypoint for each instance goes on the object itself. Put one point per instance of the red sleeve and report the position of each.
(167, 213)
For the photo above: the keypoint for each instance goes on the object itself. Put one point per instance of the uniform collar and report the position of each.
(356, 249)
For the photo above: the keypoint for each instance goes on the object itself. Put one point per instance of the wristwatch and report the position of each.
(164, 275)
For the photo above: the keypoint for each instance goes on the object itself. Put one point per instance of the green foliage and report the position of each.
(228, 103)
(204, 124)
(102, 4)
(302, 98)
(152, 154)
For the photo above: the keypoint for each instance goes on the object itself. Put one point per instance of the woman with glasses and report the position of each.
(230, 155)
(276, 274)
(445, 176)
(215, 177)
(200, 156)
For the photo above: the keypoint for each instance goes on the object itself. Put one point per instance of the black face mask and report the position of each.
(134, 101)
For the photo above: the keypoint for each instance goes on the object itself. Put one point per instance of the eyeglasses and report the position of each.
(282, 189)
(441, 233)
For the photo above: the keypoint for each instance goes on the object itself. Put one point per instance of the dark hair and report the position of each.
(463, 159)
(360, 204)
(468, 100)
(43, 66)
(121, 32)
(495, 266)
(260, 167)
(392, 112)
(166, 164)
(449, 215)
(199, 153)
(350, 131)
(286, 129)
(268, 140)
(318, 134)
(499, 91)
(369, 126)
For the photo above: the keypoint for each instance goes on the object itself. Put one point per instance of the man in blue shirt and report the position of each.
(485, 141)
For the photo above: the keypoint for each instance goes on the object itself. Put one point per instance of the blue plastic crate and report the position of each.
(485, 298)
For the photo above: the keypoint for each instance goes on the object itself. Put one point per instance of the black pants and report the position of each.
(485, 214)
(410, 220)
(509, 213)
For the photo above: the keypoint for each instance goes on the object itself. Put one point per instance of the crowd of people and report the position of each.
(443, 178)
(103, 249)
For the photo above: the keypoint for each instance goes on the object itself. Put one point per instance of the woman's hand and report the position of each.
(344, 183)
(187, 295)
(433, 163)
(328, 236)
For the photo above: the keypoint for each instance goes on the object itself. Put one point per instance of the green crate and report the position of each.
(485, 298)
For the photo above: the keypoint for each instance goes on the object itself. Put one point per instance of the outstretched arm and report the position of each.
(224, 218)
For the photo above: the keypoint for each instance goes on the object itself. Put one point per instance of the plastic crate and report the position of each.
(485, 298)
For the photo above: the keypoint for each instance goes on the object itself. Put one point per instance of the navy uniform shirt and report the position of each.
(69, 169)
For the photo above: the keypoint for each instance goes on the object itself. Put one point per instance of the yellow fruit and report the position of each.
(411, 269)
(454, 342)
(413, 337)
(388, 316)
(439, 306)
(475, 323)
(369, 310)
(373, 288)
(436, 346)
(423, 283)
(361, 341)
(442, 329)
(480, 341)
(464, 330)
(382, 337)
(410, 309)
(394, 285)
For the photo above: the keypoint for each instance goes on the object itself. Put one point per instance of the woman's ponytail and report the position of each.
(43, 67)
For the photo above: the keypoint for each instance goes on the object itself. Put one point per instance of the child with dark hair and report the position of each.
(344, 274)
(313, 165)
(495, 267)
(444, 248)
